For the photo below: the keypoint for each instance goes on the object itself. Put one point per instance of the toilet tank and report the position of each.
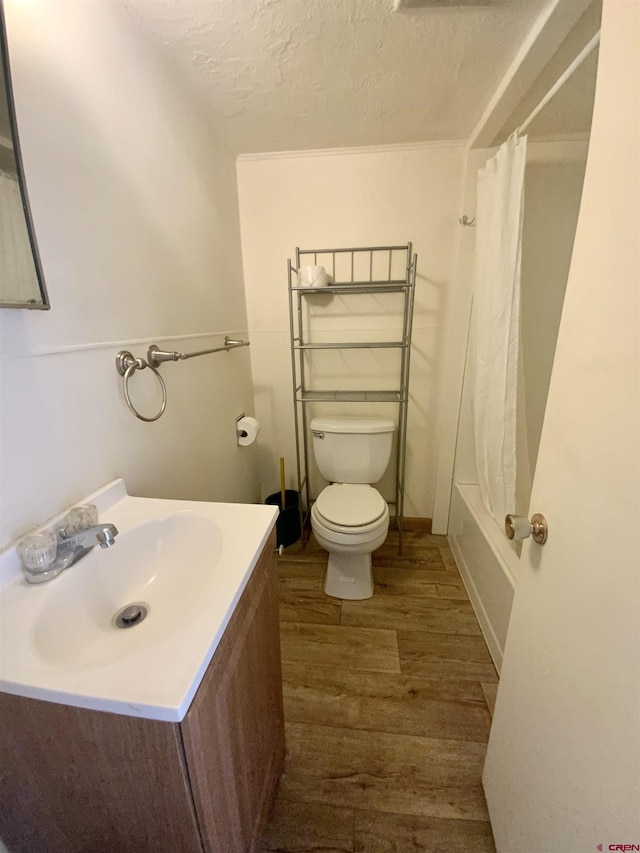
(352, 450)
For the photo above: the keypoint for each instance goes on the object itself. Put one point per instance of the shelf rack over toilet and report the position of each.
(352, 260)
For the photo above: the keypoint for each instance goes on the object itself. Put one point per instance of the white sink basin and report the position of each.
(169, 564)
(186, 562)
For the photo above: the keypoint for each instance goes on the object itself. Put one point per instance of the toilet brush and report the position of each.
(288, 522)
(282, 490)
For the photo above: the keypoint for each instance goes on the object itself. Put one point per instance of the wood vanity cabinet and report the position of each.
(81, 780)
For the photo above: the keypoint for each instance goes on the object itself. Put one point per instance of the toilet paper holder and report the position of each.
(247, 429)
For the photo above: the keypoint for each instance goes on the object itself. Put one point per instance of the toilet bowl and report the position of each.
(349, 574)
(350, 518)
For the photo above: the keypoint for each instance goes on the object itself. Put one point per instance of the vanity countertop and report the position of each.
(188, 562)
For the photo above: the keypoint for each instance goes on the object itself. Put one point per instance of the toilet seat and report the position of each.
(355, 535)
(350, 508)
(340, 505)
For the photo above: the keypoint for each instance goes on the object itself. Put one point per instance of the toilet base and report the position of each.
(349, 576)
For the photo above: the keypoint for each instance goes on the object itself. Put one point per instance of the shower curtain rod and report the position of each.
(586, 51)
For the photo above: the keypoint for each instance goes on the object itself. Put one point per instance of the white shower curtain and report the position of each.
(19, 280)
(496, 324)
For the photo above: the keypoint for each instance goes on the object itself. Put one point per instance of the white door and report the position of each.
(563, 765)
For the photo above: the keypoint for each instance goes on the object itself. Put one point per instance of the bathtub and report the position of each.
(488, 564)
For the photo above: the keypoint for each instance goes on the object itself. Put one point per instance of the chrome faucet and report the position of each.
(46, 555)
(82, 541)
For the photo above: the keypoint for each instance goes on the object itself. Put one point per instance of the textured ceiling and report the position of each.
(299, 74)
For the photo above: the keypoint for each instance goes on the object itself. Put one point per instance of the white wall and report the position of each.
(340, 199)
(135, 210)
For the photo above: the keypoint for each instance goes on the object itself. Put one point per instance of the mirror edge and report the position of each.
(45, 305)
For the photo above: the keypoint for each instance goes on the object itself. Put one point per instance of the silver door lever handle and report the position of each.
(518, 527)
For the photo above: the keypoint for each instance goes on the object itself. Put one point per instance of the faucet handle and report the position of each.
(38, 550)
(78, 518)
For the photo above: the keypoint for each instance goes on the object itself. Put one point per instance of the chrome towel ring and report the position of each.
(127, 366)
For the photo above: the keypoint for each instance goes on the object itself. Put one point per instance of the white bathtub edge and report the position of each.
(478, 607)
(493, 533)
(488, 565)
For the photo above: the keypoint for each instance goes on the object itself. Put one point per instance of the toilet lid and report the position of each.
(350, 505)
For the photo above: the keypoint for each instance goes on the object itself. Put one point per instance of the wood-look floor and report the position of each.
(387, 707)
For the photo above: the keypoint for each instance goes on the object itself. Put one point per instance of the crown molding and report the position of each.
(362, 149)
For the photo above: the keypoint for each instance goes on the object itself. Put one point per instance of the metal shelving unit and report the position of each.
(366, 270)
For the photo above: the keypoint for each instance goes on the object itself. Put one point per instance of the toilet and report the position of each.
(350, 518)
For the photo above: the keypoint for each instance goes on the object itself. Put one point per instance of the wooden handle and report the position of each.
(282, 489)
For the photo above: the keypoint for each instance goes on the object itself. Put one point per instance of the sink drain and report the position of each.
(132, 614)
